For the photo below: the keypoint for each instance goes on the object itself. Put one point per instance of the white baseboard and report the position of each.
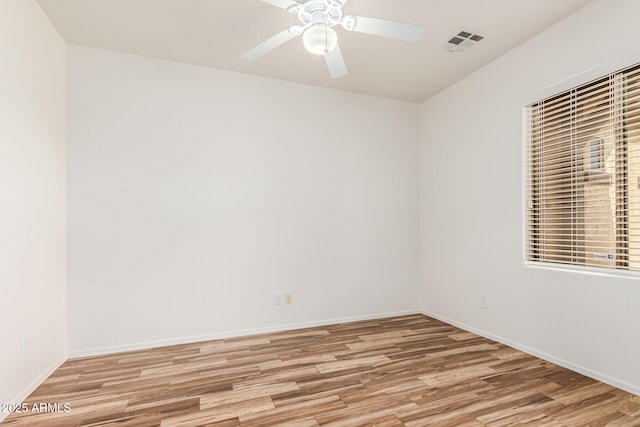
(230, 334)
(542, 355)
(22, 396)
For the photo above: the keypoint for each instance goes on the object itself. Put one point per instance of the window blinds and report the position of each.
(583, 175)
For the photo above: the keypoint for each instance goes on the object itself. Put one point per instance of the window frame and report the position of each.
(603, 70)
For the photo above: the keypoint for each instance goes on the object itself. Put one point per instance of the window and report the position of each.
(596, 154)
(583, 175)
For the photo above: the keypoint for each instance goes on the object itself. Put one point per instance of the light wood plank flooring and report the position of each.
(403, 371)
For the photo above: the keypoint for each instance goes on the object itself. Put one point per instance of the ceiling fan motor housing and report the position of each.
(310, 12)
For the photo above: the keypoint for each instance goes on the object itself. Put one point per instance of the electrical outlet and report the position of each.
(288, 298)
(484, 302)
(278, 298)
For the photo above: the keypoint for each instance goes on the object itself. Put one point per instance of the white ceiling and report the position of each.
(214, 33)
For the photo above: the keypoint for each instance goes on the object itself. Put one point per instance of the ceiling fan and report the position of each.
(318, 17)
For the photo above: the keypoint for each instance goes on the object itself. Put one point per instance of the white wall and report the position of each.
(32, 199)
(195, 194)
(472, 208)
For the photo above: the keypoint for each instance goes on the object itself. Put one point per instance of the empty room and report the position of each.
(319, 213)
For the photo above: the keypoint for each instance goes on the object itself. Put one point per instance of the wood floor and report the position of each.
(403, 371)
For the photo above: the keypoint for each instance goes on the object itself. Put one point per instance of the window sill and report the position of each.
(594, 271)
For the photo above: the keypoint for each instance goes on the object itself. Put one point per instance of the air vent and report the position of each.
(462, 41)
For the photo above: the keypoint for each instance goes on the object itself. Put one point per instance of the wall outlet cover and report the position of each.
(278, 298)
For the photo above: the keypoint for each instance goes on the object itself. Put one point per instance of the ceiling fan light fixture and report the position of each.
(320, 39)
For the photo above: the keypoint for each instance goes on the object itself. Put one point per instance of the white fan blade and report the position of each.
(272, 43)
(284, 4)
(384, 28)
(335, 63)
